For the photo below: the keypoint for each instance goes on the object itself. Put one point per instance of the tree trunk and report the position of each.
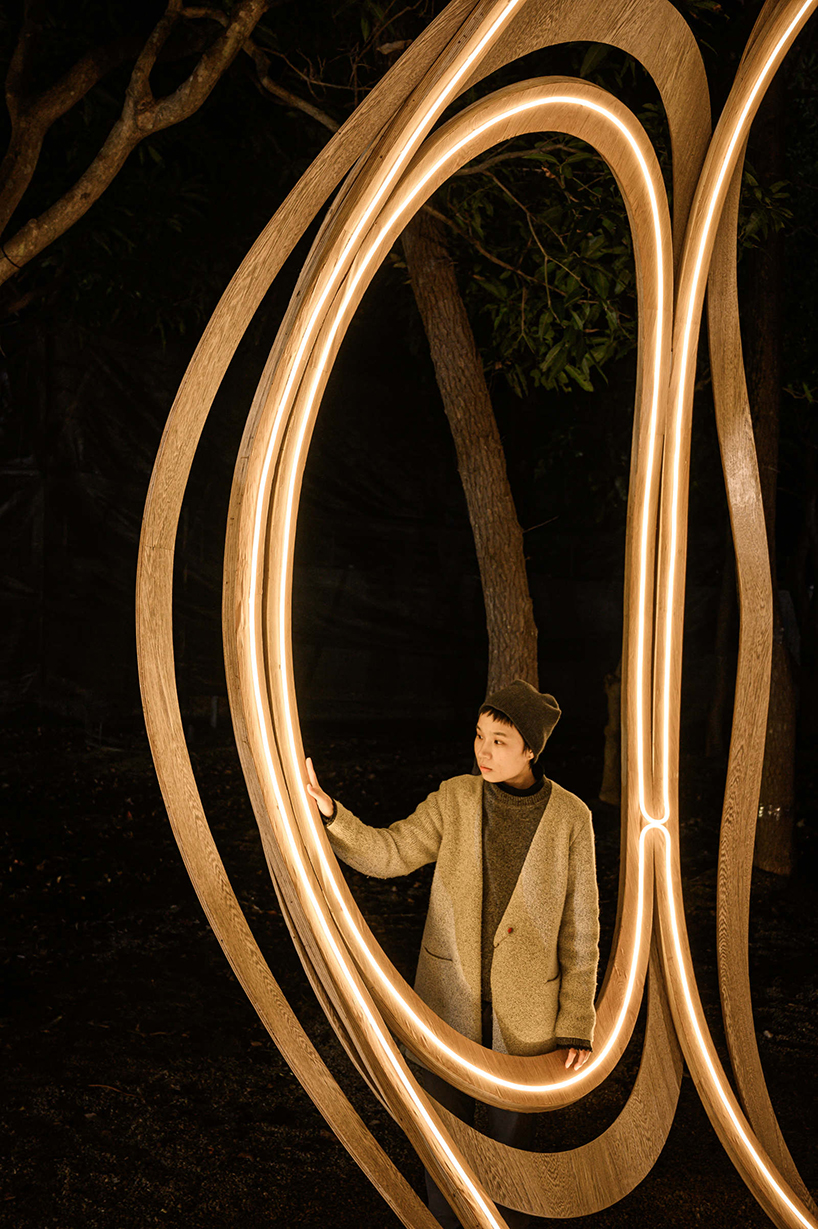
(610, 790)
(498, 538)
(718, 716)
(763, 325)
(805, 570)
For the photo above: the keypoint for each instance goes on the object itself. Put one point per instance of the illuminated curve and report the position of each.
(560, 105)
(591, 1177)
(154, 595)
(387, 1068)
(774, 33)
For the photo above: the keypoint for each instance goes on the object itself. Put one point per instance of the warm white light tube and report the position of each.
(306, 399)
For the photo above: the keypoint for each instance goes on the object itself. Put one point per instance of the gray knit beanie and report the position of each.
(532, 712)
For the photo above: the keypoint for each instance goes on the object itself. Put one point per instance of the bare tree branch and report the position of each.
(139, 93)
(190, 95)
(300, 104)
(19, 69)
(31, 118)
(141, 115)
(262, 64)
(85, 74)
(478, 247)
(261, 60)
(508, 155)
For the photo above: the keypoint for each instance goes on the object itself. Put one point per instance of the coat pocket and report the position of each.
(441, 985)
(525, 990)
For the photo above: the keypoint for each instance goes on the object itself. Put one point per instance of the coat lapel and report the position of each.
(535, 882)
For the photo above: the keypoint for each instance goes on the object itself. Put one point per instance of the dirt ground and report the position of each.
(138, 1086)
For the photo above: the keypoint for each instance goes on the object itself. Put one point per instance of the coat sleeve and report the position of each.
(397, 850)
(578, 940)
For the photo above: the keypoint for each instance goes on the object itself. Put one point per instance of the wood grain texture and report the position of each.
(588, 1179)
(743, 784)
(775, 30)
(287, 330)
(752, 688)
(278, 517)
(655, 34)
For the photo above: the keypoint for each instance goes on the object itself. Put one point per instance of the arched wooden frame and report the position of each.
(655, 34)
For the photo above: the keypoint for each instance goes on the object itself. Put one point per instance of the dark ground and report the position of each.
(139, 1088)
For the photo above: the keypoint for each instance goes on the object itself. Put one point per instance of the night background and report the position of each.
(139, 1087)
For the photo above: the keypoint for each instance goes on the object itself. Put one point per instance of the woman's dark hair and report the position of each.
(503, 720)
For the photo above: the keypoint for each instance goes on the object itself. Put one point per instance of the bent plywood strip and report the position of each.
(588, 1179)
(743, 785)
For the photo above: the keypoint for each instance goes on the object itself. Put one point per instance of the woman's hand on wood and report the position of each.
(322, 798)
(576, 1058)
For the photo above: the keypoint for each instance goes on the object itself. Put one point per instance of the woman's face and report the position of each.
(500, 753)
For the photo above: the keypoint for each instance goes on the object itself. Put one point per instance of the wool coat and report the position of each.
(546, 947)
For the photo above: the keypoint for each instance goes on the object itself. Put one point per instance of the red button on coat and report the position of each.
(511, 930)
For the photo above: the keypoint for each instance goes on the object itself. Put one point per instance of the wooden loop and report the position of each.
(743, 784)
(560, 104)
(774, 33)
(590, 1178)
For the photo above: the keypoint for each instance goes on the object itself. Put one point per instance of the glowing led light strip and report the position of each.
(384, 1043)
(704, 230)
(392, 223)
(360, 269)
(353, 282)
(650, 821)
(670, 913)
(767, 1173)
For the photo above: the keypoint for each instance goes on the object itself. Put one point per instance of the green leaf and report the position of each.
(593, 57)
(581, 379)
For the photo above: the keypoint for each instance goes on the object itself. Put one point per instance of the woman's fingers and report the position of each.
(576, 1058)
(320, 796)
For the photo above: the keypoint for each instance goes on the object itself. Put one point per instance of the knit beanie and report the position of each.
(532, 712)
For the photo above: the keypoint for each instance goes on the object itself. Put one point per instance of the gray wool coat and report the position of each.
(546, 947)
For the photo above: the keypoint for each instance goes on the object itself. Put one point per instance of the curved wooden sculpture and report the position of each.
(398, 161)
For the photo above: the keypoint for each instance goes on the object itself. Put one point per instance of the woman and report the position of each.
(511, 942)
